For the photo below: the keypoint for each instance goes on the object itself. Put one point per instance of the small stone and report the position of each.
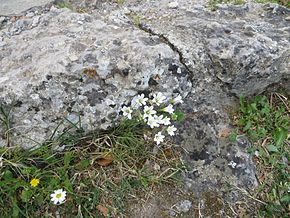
(287, 18)
(2, 19)
(30, 14)
(35, 21)
(126, 11)
(172, 213)
(184, 206)
(73, 57)
(22, 24)
(173, 5)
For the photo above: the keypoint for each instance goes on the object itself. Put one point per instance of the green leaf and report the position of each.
(242, 104)
(254, 106)
(8, 174)
(68, 185)
(25, 195)
(180, 116)
(272, 148)
(174, 116)
(280, 135)
(144, 181)
(286, 198)
(233, 135)
(15, 210)
(67, 158)
(84, 164)
(248, 126)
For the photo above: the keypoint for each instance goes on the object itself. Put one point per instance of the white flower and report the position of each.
(127, 112)
(169, 109)
(139, 100)
(177, 99)
(171, 130)
(58, 196)
(159, 119)
(152, 122)
(158, 138)
(166, 121)
(158, 98)
(148, 111)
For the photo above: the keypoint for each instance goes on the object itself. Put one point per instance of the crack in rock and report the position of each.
(225, 87)
(165, 40)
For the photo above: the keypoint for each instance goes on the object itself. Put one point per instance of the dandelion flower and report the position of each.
(158, 138)
(34, 182)
(127, 112)
(171, 130)
(58, 196)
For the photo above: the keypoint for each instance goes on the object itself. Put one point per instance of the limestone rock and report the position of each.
(173, 5)
(73, 64)
(245, 51)
(17, 6)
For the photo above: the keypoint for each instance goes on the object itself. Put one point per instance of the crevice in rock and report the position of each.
(165, 40)
(225, 87)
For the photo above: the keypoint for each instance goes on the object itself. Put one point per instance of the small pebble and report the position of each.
(30, 14)
(184, 206)
(173, 5)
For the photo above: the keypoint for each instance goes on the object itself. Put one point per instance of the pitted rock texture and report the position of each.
(17, 6)
(246, 47)
(72, 64)
(58, 64)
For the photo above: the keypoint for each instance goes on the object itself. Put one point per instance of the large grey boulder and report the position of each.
(246, 47)
(61, 64)
(70, 65)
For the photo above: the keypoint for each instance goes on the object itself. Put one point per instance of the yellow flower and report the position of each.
(34, 182)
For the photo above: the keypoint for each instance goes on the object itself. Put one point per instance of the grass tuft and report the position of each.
(265, 120)
(5, 122)
(285, 3)
(99, 172)
(213, 3)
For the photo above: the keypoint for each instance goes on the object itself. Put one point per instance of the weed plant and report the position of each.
(266, 121)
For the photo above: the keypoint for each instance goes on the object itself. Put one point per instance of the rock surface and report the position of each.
(10, 7)
(56, 64)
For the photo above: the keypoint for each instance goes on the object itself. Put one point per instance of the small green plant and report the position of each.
(281, 2)
(5, 121)
(266, 120)
(120, 2)
(79, 175)
(213, 3)
(65, 5)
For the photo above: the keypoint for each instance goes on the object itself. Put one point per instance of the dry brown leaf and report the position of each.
(224, 133)
(168, 152)
(90, 72)
(105, 161)
(103, 210)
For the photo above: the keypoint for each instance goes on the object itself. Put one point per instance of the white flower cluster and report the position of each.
(154, 112)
